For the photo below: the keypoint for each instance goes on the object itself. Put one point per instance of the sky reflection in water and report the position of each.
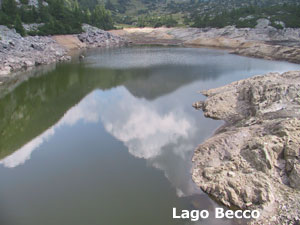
(142, 101)
(144, 130)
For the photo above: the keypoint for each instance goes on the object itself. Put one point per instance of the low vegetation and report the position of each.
(156, 21)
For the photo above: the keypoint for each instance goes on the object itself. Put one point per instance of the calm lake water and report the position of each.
(109, 140)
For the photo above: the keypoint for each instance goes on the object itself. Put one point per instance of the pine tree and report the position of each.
(101, 18)
(9, 7)
(43, 12)
(88, 16)
(19, 27)
(4, 19)
(109, 5)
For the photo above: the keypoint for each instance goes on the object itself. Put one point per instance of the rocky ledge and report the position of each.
(17, 52)
(253, 160)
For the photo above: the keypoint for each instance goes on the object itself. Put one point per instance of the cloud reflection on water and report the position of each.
(143, 128)
(85, 110)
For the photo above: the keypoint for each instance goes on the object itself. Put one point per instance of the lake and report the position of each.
(109, 139)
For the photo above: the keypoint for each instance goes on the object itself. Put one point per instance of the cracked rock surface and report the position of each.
(253, 161)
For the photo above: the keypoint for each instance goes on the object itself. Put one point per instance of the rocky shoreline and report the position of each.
(22, 53)
(263, 42)
(253, 160)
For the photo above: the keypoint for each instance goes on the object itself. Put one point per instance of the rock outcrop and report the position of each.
(253, 161)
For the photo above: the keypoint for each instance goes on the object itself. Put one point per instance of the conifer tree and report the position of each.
(101, 18)
(9, 7)
(19, 27)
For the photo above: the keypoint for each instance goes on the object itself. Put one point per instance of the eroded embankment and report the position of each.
(268, 43)
(253, 161)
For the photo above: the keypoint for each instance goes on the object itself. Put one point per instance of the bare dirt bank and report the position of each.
(70, 42)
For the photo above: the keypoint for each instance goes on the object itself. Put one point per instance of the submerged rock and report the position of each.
(253, 161)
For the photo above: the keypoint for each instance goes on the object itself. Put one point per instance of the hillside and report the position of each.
(67, 16)
(186, 12)
(52, 16)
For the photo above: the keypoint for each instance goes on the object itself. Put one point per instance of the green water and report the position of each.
(109, 140)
